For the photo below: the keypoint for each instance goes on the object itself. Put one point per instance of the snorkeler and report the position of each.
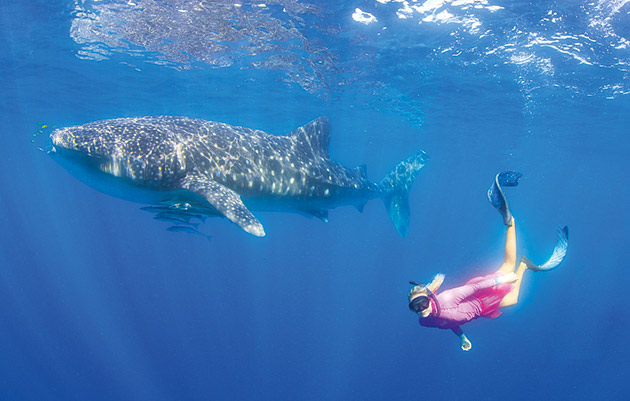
(482, 296)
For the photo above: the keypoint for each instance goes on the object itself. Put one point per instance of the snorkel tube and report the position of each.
(437, 304)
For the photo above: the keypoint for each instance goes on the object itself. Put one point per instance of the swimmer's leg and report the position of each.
(508, 266)
(512, 297)
(509, 260)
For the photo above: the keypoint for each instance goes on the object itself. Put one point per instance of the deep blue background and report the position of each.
(99, 302)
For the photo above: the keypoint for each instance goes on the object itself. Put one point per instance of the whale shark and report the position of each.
(206, 168)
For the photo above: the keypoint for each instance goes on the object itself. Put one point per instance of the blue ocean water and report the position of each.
(99, 302)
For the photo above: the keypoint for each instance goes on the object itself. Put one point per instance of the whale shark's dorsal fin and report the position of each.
(314, 136)
(226, 201)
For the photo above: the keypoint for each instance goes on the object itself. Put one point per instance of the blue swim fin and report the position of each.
(496, 196)
(559, 252)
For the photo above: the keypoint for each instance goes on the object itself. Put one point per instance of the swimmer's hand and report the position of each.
(465, 343)
(508, 278)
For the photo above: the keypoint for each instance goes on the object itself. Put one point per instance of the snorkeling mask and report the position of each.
(422, 302)
(418, 304)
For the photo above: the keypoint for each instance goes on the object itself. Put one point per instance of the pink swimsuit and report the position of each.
(479, 297)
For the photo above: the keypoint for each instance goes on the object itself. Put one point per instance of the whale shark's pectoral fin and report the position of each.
(226, 201)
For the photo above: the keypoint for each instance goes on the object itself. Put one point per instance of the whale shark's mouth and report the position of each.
(76, 156)
(91, 162)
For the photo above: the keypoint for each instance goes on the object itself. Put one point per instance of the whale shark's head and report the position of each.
(81, 151)
(81, 141)
(96, 154)
(76, 149)
(107, 153)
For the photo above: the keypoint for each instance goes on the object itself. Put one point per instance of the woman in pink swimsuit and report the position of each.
(482, 296)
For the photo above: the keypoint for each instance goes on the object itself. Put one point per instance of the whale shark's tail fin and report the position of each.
(395, 189)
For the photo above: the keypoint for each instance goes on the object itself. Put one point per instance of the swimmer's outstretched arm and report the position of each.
(464, 342)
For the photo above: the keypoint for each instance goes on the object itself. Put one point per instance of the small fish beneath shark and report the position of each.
(224, 170)
(189, 230)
